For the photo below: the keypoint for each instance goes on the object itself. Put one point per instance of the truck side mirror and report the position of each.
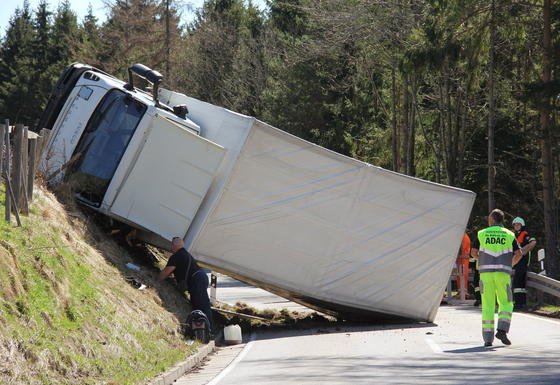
(147, 73)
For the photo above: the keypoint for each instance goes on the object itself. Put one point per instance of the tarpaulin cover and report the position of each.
(312, 223)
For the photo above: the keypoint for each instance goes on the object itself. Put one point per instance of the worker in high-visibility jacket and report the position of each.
(520, 273)
(497, 251)
(463, 266)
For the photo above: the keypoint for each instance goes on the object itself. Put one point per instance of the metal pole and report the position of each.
(449, 293)
(462, 283)
(213, 286)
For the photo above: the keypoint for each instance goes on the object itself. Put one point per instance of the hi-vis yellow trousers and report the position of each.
(495, 285)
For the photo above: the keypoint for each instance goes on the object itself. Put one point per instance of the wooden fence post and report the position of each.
(45, 134)
(39, 148)
(2, 152)
(16, 159)
(31, 167)
(14, 204)
(42, 141)
(17, 166)
(23, 202)
(7, 173)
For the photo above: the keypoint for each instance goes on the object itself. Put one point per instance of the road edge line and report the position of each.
(233, 363)
(435, 347)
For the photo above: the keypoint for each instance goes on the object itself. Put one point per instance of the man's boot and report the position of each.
(502, 336)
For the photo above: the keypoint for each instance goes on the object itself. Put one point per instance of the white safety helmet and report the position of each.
(518, 220)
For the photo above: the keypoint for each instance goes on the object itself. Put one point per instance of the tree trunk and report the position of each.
(410, 166)
(461, 146)
(552, 265)
(450, 142)
(491, 111)
(443, 145)
(167, 40)
(395, 138)
(406, 122)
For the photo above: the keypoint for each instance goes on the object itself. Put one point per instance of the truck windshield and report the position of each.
(103, 144)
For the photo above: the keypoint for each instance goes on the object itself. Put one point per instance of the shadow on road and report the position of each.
(332, 327)
(474, 349)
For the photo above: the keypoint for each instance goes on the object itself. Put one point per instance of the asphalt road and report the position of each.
(447, 352)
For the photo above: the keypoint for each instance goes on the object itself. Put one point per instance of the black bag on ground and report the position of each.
(198, 327)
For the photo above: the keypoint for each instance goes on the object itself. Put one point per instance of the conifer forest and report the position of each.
(464, 93)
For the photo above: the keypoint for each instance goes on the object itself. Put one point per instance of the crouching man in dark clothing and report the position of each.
(189, 276)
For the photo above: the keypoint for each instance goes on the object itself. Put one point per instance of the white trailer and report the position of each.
(253, 201)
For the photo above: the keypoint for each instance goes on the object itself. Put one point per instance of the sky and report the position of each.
(8, 7)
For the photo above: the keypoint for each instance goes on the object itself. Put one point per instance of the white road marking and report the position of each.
(233, 363)
(435, 347)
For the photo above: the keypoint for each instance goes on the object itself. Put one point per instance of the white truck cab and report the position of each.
(113, 143)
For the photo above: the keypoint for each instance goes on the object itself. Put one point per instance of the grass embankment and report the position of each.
(67, 314)
(545, 310)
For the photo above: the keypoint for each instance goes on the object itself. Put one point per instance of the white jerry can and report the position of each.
(232, 335)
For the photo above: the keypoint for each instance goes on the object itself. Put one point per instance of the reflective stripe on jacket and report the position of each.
(496, 249)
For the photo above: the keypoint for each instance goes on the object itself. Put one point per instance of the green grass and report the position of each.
(66, 314)
(549, 309)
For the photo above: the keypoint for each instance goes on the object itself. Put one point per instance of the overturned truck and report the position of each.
(253, 201)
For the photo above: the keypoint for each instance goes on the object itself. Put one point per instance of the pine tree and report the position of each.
(42, 41)
(133, 33)
(169, 37)
(65, 36)
(17, 68)
(223, 56)
(91, 43)
(297, 84)
(42, 77)
(244, 84)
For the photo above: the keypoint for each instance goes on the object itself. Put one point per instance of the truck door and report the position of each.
(167, 183)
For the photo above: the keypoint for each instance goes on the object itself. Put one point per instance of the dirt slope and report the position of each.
(68, 314)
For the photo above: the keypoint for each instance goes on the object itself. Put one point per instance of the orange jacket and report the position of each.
(465, 248)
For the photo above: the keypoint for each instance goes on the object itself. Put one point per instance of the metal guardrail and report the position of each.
(544, 283)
